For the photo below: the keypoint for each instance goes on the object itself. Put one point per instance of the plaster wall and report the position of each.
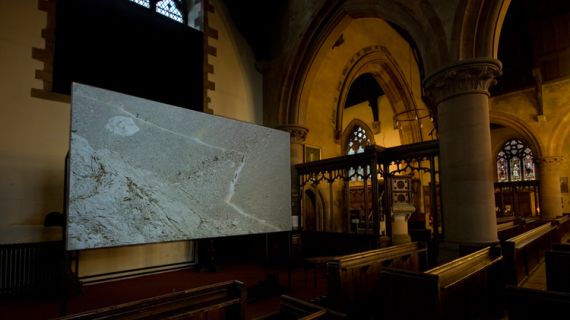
(387, 137)
(34, 132)
(238, 92)
(319, 113)
(34, 140)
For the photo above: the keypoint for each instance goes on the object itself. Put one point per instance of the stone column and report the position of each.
(550, 196)
(298, 135)
(460, 94)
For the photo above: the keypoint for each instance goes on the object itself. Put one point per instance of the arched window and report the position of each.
(144, 3)
(169, 8)
(357, 141)
(515, 162)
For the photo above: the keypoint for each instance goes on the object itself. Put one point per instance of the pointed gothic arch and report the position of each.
(521, 129)
(314, 210)
(378, 62)
(331, 18)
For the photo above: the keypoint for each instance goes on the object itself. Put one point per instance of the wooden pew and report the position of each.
(557, 263)
(318, 247)
(352, 279)
(294, 308)
(525, 303)
(508, 230)
(563, 224)
(469, 287)
(224, 300)
(561, 246)
(523, 253)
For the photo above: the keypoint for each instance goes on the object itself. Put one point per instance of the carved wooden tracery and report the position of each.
(373, 166)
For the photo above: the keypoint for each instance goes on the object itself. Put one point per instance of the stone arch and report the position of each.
(314, 199)
(378, 62)
(419, 20)
(561, 133)
(521, 129)
(345, 135)
(477, 31)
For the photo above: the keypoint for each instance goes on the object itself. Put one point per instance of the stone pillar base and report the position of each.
(401, 212)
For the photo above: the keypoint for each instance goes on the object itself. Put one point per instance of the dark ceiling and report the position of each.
(533, 35)
(258, 21)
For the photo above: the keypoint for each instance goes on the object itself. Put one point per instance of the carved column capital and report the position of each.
(464, 77)
(298, 133)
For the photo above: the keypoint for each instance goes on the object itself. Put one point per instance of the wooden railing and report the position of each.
(469, 287)
(352, 279)
(224, 300)
(523, 253)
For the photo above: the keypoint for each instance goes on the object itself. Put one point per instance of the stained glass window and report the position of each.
(502, 166)
(515, 162)
(515, 165)
(528, 164)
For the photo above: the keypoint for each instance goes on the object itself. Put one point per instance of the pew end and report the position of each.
(557, 263)
(408, 295)
(469, 287)
(353, 279)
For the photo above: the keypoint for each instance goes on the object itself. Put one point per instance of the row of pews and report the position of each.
(393, 282)
(528, 303)
(468, 287)
(396, 283)
(526, 252)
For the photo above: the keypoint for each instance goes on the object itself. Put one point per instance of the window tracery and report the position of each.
(358, 140)
(515, 162)
(169, 8)
(144, 3)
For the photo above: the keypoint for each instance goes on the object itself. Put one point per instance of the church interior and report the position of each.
(425, 161)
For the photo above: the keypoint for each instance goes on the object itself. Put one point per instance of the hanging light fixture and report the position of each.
(414, 114)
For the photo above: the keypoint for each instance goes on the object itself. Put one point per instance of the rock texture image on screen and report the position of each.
(144, 172)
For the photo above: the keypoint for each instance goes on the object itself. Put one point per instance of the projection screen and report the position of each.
(144, 172)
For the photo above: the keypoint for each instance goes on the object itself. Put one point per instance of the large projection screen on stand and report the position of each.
(146, 172)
